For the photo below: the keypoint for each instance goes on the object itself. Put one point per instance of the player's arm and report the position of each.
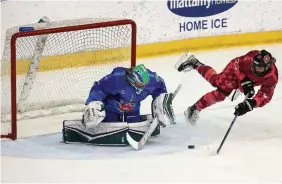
(160, 86)
(101, 89)
(264, 95)
(94, 112)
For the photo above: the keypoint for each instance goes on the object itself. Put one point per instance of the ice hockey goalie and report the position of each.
(113, 108)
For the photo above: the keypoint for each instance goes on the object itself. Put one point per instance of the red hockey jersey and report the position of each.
(239, 68)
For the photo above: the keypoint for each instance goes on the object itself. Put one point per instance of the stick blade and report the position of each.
(139, 145)
(132, 142)
(211, 150)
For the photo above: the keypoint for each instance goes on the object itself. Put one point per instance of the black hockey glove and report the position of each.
(244, 107)
(248, 87)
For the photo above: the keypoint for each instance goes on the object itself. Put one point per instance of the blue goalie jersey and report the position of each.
(120, 97)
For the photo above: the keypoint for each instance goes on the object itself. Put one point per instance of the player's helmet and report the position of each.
(262, 63)
(139, 77)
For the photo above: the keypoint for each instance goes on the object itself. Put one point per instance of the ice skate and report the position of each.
(191, 115)
(187, 62)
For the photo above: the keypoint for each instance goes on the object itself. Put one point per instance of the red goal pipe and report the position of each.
(13, 134)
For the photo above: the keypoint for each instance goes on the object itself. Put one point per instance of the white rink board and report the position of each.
(156, 23)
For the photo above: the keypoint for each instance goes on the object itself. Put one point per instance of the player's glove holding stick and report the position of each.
(248, 87)
(245, 106)
(248, 104)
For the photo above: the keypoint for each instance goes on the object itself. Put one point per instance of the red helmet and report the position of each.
(262, 63)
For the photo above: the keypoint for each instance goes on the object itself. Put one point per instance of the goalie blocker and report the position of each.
(106, 133)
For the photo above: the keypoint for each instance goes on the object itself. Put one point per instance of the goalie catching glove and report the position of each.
(162, 108)
(94, 113)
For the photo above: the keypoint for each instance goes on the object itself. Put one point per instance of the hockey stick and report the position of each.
(139, 145)
(230, 127)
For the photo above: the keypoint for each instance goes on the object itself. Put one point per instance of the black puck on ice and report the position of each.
(191, 146)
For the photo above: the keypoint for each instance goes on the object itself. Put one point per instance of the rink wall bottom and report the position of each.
(209, 43)
(76, 60)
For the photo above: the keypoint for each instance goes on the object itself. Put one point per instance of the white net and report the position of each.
(69, 63)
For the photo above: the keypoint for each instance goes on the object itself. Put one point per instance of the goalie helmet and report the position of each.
(262, 63)
(138, 77)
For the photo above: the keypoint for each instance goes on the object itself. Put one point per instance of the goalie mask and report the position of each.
(138, 78)
(262, 63)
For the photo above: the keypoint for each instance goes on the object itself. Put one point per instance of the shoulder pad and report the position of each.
(119, 71)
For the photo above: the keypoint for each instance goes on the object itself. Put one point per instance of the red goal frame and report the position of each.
(13, 134)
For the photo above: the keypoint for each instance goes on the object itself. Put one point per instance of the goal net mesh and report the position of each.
(69, 64)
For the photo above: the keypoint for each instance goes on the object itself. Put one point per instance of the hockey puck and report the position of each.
(191, 146)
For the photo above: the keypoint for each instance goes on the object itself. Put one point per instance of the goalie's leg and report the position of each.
(106, 133)
(162, 109)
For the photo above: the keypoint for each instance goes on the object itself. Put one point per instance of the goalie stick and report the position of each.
(139, 145)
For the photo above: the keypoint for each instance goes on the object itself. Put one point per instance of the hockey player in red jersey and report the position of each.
(256, 68)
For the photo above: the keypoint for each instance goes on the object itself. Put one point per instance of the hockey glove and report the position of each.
(244, 107)
(162, 109)
(248, 87)
(94, 113)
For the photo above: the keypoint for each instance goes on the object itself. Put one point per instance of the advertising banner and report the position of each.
(158, 21)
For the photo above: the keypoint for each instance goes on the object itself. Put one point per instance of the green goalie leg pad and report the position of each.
(76, 133)
(71, 135)
(157, 131)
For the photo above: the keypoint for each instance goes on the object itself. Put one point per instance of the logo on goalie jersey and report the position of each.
(199, 8)
(126, 107)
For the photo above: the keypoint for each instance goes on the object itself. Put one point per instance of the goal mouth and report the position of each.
(51, 69)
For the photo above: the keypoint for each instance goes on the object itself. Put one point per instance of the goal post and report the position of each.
(34, 64)
(76, 53)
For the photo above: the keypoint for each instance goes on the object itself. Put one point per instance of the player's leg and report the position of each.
(105, 133)
(224, 84)
(224, 81)
(210, 98)
(133, 117)
(112, 117)
(111, 131)
(207, 73)
(189, 62)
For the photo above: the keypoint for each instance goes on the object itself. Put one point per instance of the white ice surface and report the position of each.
(252, 152)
